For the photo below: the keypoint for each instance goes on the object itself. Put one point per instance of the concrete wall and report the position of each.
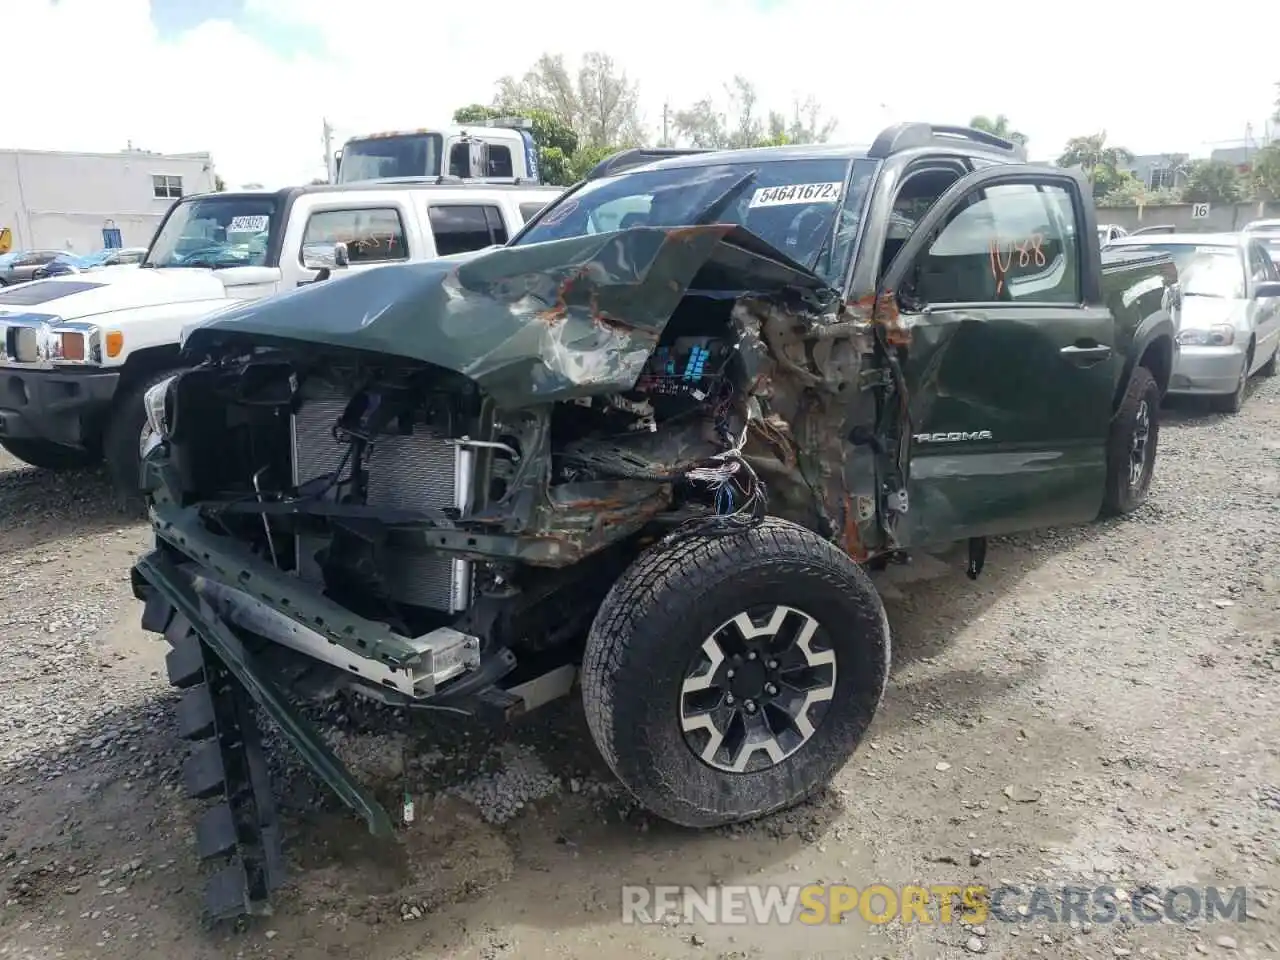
(1228, 218)
(62, 201)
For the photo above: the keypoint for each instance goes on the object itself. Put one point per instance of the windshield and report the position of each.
(216, 231)
(1209, 271)
(411, 155)
(790, 204)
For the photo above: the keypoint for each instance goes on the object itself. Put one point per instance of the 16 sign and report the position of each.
(1199, 211)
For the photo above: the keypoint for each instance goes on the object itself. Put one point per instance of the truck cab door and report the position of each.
(377, 230)
(1012, 357)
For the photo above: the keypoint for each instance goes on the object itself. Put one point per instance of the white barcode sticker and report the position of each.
(790, 193)
(247, 224)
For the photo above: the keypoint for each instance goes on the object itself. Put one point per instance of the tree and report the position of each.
(1213, 181)
(1100, 162)
(602, 106)
(609, 103)
(704, 126)
(1092, 154)
(807, 123)
(219, 185)
(1265, 175)
(999, 126)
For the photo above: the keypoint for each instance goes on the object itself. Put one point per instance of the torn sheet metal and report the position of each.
(538, 323)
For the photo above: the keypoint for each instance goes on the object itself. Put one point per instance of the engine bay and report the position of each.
(405, 494)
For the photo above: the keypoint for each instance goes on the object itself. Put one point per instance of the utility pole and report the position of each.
(666, 120)
(328, 150)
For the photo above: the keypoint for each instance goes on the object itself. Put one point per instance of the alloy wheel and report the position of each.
(1140, 443)
(758, 689)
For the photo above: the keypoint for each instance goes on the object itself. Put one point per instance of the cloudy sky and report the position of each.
(251, 80)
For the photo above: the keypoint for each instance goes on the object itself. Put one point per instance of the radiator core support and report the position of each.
(405, 472)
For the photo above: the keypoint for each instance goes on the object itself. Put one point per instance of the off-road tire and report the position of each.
(48, 455)
(120, 443)
(1122, 495)
(1268, 369)
(654, 620)
(1233, 402)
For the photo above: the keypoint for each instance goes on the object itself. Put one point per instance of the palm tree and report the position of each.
(1000, 126)
(1092, 153)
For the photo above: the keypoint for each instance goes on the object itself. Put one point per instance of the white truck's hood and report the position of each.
(113, 289)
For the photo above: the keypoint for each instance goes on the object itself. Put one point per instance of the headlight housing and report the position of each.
(156, 404)
(1219, 335)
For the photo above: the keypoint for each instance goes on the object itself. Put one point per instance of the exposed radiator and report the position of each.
(405, 472)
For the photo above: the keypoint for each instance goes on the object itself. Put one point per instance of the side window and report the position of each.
(374, 235)
(1260, 267)
(165, 187)
(460, 228)
(497, 161)
(460, 160)
(529, 210)
(920, 190)
(1004, 243)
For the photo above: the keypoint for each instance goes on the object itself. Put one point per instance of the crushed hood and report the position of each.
(115, 288)
(532, 323)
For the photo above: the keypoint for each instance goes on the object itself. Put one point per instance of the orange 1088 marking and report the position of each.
(1025, 253)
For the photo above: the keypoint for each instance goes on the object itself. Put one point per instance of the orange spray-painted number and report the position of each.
(1025, 253)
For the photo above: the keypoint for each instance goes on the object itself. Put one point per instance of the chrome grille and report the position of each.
(405, 472)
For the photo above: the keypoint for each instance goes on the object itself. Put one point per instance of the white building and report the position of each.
(65, 201)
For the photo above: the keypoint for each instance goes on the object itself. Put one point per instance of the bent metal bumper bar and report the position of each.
(172, 586)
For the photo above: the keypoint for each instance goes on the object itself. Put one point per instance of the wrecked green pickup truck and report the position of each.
(651, 444)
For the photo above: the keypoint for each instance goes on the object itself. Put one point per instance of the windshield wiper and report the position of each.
(716, 207)
(212, 264)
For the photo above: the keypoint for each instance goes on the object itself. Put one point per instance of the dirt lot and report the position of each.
(1098, 708)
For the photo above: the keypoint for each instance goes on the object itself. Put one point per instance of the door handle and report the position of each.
(1086, 354)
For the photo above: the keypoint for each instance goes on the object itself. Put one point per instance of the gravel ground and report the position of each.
(1098, 708)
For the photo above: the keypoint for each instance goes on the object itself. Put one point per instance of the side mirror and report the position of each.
(1268, 288)
(324, 255)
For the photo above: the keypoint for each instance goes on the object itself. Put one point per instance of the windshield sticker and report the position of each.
(790, 193)
(559, 214)
(247, 224)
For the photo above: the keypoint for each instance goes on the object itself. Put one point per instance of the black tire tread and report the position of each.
(1116, 499)
(694, 561)
(1268, 369)
(120, 442)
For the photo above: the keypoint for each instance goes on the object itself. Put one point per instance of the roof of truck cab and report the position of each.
(365, 186)
(807, 151)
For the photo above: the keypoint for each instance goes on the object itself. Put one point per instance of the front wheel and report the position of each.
(1268, 369)
(1131, 447)
(1234, 402)
(728, 677)
(122, 446)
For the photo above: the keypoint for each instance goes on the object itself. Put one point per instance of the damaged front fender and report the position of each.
(530, 324)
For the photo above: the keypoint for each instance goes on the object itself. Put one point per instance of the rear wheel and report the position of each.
(728, 677)
(48, 455)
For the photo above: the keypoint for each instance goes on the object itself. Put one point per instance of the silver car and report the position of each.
(1229, 327)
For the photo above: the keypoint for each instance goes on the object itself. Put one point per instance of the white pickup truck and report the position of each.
(78, 352)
